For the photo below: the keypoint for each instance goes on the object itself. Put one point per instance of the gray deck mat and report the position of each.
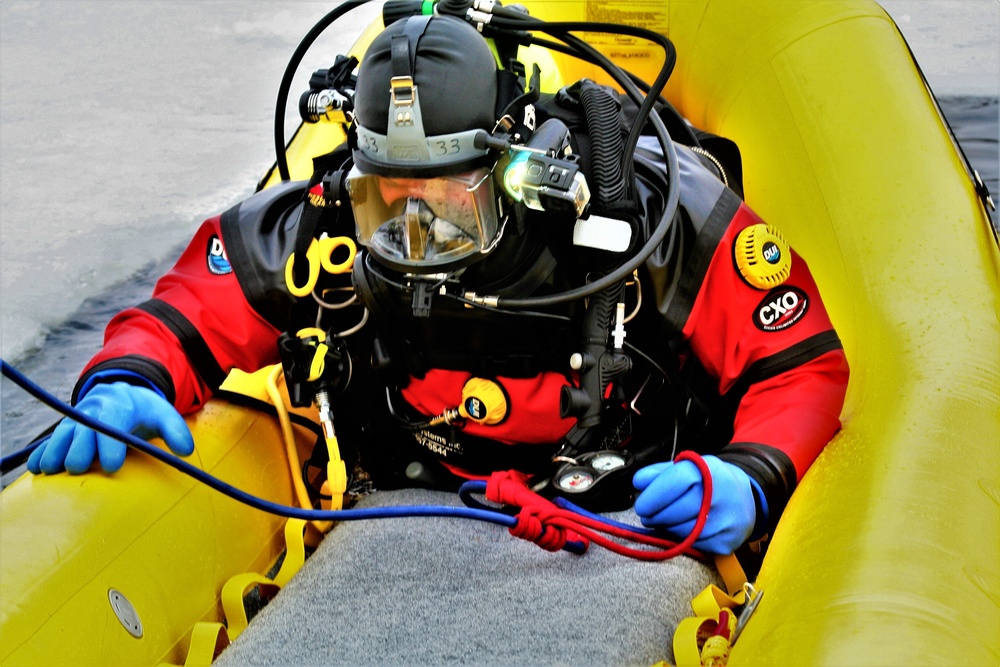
(436, 591)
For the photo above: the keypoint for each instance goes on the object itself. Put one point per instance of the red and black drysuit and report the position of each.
(765, 372)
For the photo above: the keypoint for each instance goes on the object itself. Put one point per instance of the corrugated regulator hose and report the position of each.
(602, 111)
(607, 145)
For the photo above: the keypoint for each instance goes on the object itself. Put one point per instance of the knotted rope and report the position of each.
(553, 528)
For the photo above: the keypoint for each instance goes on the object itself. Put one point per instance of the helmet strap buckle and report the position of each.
(401, 89)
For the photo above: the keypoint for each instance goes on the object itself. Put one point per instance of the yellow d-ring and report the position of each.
(328, 245)
(318, 362)
(312, 258)
(311, 332)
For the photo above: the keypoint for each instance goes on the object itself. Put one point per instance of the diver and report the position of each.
(500, 280)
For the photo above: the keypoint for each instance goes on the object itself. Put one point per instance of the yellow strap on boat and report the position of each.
(731, 572)
(295, 551)
(208, 640)
(695, 642)
(232, 599)
(236, 588)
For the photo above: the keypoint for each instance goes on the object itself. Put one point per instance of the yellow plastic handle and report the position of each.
(312, 257)
(326, 248)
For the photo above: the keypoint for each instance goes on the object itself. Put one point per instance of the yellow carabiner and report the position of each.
(326, 247)
(312, 258)
(318, 363)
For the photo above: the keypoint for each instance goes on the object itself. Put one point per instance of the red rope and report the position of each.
(542, 522)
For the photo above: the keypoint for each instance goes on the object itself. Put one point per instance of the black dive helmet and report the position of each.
(422, 192)
(496, 20)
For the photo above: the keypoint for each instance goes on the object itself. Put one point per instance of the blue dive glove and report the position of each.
(670, 496)
(132, 409)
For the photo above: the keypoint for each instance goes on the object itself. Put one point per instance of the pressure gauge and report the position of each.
(575, 480)
(598, 481)
(605, 461)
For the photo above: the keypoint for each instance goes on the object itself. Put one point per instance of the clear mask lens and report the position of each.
(424, 225)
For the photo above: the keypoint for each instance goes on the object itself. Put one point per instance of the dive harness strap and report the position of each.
(323, 188)
(473, 454)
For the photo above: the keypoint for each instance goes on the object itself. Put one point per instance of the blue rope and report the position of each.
(487, 515)
(11, 461)
(473, 486)
(478, 486)
(562, 503)
(475, 510)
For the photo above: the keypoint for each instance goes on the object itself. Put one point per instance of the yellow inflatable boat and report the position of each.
(889, 552)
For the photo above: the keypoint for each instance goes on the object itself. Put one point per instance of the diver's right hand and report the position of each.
(137, 410)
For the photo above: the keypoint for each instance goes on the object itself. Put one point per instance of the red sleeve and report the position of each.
(776, 347)
(196, 328)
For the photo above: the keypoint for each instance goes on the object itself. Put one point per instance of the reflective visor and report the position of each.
(425, 225)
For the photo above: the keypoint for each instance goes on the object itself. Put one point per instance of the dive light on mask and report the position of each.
(543, 174)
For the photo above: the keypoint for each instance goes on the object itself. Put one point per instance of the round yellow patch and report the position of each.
(762, 256)
(483, 402)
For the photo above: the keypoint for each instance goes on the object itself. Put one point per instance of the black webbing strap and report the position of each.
(308, 222)
(312, 215)
(403, 48)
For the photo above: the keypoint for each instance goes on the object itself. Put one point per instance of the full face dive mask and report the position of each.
(426, 225)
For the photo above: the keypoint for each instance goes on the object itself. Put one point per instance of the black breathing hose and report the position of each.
(281, 159)
(606, 143)
(510, 20)
(601, 110)
(594, 345)
(505, 19)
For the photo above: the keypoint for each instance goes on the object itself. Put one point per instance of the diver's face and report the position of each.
(396, 189)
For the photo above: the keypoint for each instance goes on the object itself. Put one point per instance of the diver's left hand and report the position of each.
(670, 496)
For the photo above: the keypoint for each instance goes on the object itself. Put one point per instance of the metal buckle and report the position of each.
(401, 90)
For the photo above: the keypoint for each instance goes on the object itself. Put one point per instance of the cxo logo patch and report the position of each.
(780, 309)
(218, 261)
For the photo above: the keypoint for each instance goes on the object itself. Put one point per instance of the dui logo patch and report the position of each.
(780, 309)
(762, 256)
(218, 262)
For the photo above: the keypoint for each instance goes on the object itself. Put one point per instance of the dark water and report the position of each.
(56, 364)
(974, 121)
